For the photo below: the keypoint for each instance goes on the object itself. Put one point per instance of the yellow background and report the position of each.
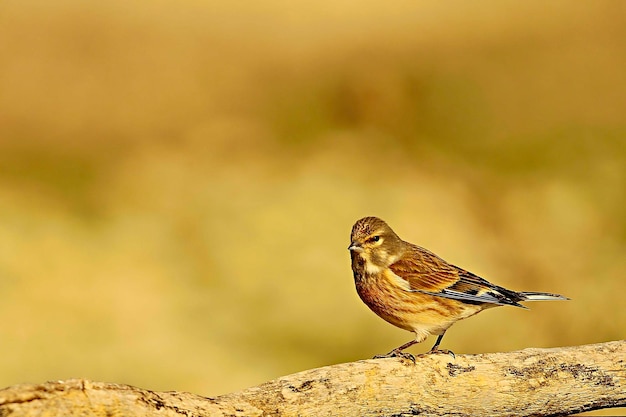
(178, 180)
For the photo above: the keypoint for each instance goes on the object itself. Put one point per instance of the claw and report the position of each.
(396, 354)
(444, 351)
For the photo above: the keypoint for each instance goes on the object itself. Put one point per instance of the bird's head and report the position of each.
(375, 242)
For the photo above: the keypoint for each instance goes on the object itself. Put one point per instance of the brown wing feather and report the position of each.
(427, 272)
(424, 270)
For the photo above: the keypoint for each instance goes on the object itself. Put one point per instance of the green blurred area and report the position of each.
(178, 180)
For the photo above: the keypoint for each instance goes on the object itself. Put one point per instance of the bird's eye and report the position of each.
(374, 239)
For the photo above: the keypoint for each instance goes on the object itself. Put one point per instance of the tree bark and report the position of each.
(530, 382)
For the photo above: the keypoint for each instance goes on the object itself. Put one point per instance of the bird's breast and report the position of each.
(387, 295)
(386, 298)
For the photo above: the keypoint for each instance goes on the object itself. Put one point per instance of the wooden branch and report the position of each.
(531, 382)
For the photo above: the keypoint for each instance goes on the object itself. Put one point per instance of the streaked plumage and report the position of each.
(416, 290)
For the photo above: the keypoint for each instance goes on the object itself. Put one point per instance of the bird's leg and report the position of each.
(435, 348)
(397, 352)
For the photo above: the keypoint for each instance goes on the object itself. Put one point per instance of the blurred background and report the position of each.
(178, 180)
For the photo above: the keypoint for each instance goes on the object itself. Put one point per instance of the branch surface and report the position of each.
(530, 382)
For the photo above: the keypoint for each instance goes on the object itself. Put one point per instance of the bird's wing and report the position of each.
(429, 274)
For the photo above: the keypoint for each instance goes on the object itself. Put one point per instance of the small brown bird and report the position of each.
(416, 290)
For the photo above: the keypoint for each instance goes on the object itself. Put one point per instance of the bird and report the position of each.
(416, 290)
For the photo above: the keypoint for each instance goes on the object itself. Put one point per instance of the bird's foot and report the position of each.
(436, 350)
(397, 354)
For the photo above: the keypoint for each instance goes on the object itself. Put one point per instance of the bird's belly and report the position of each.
(415, 312)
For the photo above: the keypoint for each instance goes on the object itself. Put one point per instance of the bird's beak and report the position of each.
(355, 247)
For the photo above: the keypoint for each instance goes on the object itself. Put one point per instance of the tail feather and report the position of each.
(541, 296)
